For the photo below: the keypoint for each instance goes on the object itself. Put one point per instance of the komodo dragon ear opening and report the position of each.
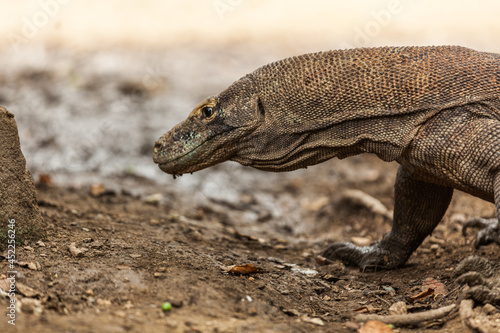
(260, 107)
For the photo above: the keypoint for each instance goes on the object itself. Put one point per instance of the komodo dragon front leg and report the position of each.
(425, 182)
(418, 209)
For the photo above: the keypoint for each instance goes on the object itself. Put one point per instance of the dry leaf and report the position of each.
(45, 179)
(244, 269)
(367, 309)
(375, 326)
(423, 294)
(322, 261)
(438, 287)
(363, 309)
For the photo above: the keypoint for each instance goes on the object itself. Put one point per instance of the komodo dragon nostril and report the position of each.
(157, 147)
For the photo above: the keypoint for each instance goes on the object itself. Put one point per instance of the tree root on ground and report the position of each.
(408, 319)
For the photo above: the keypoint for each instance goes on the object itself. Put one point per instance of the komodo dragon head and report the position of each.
(216, 130)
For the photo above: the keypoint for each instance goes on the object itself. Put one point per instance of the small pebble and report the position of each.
(153, 199)
(489, 309)
(398, 308)
(97, 190)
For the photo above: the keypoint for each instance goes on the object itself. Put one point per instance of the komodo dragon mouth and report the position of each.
(178, 163)
(177, 154)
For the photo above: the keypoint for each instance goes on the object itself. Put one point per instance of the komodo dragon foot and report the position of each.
(489, 233)
(365, 257)
(483, 278)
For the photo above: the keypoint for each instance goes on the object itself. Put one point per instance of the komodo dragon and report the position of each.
(434, 110)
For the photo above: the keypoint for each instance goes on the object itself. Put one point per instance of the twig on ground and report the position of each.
(408, 319)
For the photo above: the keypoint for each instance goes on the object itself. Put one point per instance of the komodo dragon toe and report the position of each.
(373, 257)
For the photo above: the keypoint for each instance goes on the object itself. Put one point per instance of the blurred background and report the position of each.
(94, 83)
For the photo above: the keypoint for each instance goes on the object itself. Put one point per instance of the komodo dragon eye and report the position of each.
(207, 112)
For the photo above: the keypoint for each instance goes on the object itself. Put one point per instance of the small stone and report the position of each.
(458, 218)
(157, 274)
(76, 252)
(330, 278)
(435, 247)
(154, 222)
(361, 241)
(97, 190)
(306, 254)
(133, 255)
(153, 199)
(489, 309)
(291, 312)
(31, 305)
(176, 303)
(306, 271)
(315, 321)
(40, 243)
(398, 308)
(276, 260)
(89, 292)
(104, 302)
(34, 265)
(123, 267)
(434, 240)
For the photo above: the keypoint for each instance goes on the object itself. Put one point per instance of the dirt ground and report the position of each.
(112, 258)
(134, 252)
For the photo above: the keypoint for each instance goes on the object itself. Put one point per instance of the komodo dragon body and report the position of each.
(434, 110)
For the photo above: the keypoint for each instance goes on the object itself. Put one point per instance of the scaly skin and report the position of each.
(435, 110)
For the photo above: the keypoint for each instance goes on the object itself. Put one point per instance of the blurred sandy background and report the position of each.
(93, 24)
(94, 83)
